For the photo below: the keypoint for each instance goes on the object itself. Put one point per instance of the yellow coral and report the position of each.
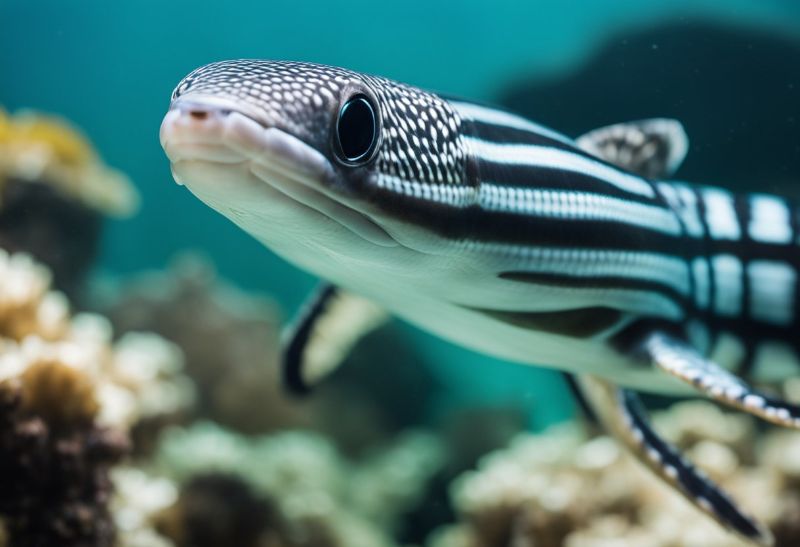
(46, 149)
(66, 144)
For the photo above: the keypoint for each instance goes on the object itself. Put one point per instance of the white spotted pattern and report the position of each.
(304, 98)
(709, 378)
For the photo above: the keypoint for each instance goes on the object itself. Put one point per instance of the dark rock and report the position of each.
(218, 509)
(56, 230)
(737, 91)
(56, 485)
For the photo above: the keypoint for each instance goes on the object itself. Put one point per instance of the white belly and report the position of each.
(428, 289)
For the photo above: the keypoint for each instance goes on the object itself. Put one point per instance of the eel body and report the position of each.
(504, 236)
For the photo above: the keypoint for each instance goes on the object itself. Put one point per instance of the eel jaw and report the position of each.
(242, 168)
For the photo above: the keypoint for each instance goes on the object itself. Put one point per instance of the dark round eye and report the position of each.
(357, 130)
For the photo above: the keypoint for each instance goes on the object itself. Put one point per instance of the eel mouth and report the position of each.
(217, 148)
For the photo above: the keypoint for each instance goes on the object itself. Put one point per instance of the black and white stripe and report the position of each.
(531, 190)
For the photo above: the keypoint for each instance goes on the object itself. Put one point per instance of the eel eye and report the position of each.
(356, 130)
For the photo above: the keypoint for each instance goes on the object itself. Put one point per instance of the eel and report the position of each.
(504, 236)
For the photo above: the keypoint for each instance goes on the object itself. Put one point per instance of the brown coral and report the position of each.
(67, 399)
(60, 232)
(318, 498)
(54, 190)
(55, 479)
(563, 488)
(58, 394)
(229, 340)
(219, 509)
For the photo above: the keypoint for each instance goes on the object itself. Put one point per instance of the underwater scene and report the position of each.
(400, 274)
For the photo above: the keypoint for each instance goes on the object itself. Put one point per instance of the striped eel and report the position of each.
(504, 236)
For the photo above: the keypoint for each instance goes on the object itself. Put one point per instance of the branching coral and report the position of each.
(229, 339)
(39, 148)
(47, 351)
(27, 307)
(114, 393)
(55, 473)
(138, 498)
(318, 498)
(220, 509)
(53, 192)
(67, 399)
(562, 488)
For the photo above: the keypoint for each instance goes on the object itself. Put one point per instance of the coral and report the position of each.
(53, 192)
(39, 148)
(394, 479)
(61, 233)
(55, 475)
(375, 395)
(27, 306)
(53, 353)
(58, 394)
(67, 400)
(318, 498)
(138, 498)
(229, 340)
(218, 509)
(566, 488)
(122, 384)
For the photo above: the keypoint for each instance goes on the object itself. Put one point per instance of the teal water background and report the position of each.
(110, 67)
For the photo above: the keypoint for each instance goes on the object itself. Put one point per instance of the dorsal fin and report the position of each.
(653, 148)
(332, 322)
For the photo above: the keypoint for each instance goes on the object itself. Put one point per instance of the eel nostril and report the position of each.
(198, 114)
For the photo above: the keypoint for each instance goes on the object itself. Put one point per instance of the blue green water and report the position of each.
(110, 67)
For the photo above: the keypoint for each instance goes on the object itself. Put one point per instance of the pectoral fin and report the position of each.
(621, 413)
(328, 327)
(653, 148)
(683, 361)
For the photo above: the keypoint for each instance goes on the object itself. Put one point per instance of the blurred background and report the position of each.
(728, 69)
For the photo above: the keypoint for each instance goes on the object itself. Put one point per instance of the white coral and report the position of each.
(591, 494)
(135, 378)
(394, 478)
(312, 484)
(138, 497)
(26, 304)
